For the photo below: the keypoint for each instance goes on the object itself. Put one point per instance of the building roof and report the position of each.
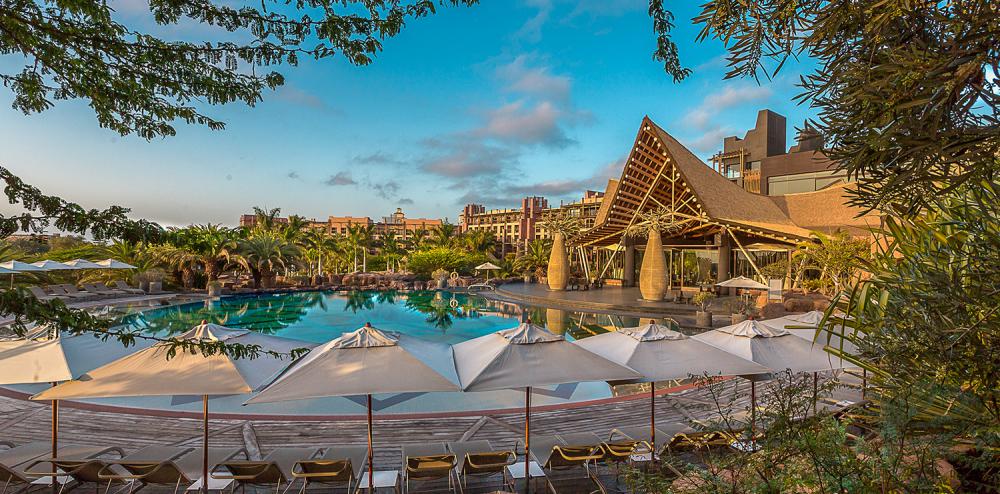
(660, 171)
(827, 210)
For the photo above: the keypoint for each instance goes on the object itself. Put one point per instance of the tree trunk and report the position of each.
(653, 273)
(211, 271)
(558, 271)
(255, 274)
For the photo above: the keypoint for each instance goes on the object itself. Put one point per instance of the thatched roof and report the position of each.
(827, 210)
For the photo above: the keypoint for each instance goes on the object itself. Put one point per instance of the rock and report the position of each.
(772, 310)
(821, 304)
(798, 305)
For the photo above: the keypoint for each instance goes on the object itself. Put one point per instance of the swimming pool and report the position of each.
(320, 316)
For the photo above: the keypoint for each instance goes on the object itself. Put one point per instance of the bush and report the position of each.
(423, 263)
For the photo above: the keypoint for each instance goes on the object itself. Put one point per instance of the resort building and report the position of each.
(760, 163)
(396, 222)
(515, 227)
(722, 227)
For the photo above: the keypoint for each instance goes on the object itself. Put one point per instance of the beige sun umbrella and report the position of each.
(662, 354)
(50, 265)
(487, 266)
(33, 361)
(774, 348)
(528, 356)
(83, 264)
(365, 362)
(114, 264)
(152, 372)
(742, 282)
(14, 267)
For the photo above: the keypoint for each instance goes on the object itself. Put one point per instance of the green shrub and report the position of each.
(423, 263)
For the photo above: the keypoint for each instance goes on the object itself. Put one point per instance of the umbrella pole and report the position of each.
(753, 407)
(527, 439)
(652, 416)
(204, 446)
(371, 452)
(55, 439)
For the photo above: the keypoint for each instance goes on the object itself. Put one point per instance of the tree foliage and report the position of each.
(907, 92)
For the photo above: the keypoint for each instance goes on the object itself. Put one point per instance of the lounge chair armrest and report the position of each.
(260, 466)
(511, 458)
(55, 470)
(299, 472)
(147, 468)
(571, 457)
(445, 458)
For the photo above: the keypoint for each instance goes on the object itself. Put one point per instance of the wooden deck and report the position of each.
(22, 421)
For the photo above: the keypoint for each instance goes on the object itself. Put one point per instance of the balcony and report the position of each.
(751, 181)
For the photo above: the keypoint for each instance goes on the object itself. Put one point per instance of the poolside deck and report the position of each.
(22, 421)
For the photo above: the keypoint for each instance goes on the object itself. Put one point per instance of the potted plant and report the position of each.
(653, 273)
(703, 300)
(744, 309)
(562, 226)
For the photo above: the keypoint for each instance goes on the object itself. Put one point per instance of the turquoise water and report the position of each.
(439, 316)
(321, 316)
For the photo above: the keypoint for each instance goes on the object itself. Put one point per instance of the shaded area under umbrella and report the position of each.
(528, 356)
(662, 354)
(365, 362)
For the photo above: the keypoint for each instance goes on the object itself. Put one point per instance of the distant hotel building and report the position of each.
(396, 222)
(760, 163)
(516, 227)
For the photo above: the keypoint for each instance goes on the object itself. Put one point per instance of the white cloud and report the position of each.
(700, 117)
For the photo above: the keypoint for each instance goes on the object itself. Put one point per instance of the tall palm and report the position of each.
(367, 237)
(318, 246)
(181, 260)
(390, 250)
(263, 252)
(265, 219)
(294, 230)
(355, 236)
(535, 256)
(442, 235)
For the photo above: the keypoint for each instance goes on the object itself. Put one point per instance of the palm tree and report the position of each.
(355, 236)
(367, 236)
(214, 244)
(265, 219)
(262, 252)
(295, 228)
(442, 235)
(535, 257)
(181, 260)
(391, 250)
(418, 237)
(480, 241)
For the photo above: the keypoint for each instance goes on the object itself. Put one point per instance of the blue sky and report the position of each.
(483, 104)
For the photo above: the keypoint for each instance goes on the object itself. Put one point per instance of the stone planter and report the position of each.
(703, 319)
(738, 318)
(557, 274)
(442, 283)
(527, 278)
(155, 287)
(653, 273)
(214, 289)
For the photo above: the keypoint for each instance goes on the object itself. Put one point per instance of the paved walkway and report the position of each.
(606, 300)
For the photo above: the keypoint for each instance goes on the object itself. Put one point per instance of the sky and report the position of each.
(485, 104)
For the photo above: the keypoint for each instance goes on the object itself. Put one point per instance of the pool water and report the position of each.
(439, 316)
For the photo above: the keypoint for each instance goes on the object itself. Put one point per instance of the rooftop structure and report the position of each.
(720, 228)
(760, 163)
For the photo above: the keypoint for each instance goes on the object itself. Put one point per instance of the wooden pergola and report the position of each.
(704, 207)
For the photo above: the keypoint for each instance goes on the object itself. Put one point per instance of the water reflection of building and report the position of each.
(720, 228)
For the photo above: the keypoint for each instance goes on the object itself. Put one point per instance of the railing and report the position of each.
(751, 181)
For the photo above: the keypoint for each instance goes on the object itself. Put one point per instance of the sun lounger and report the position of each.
(641, 433)
(15, 457)
(101, 289)
(569, 452)
(426, 462)
(480, 459)
(121, 285)
(152, 465)
(71, 293)
(45, 297)
(77, 462)
(274, 470)
(339, 465)
(703, 440)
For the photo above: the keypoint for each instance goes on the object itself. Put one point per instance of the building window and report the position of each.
(803, 182)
